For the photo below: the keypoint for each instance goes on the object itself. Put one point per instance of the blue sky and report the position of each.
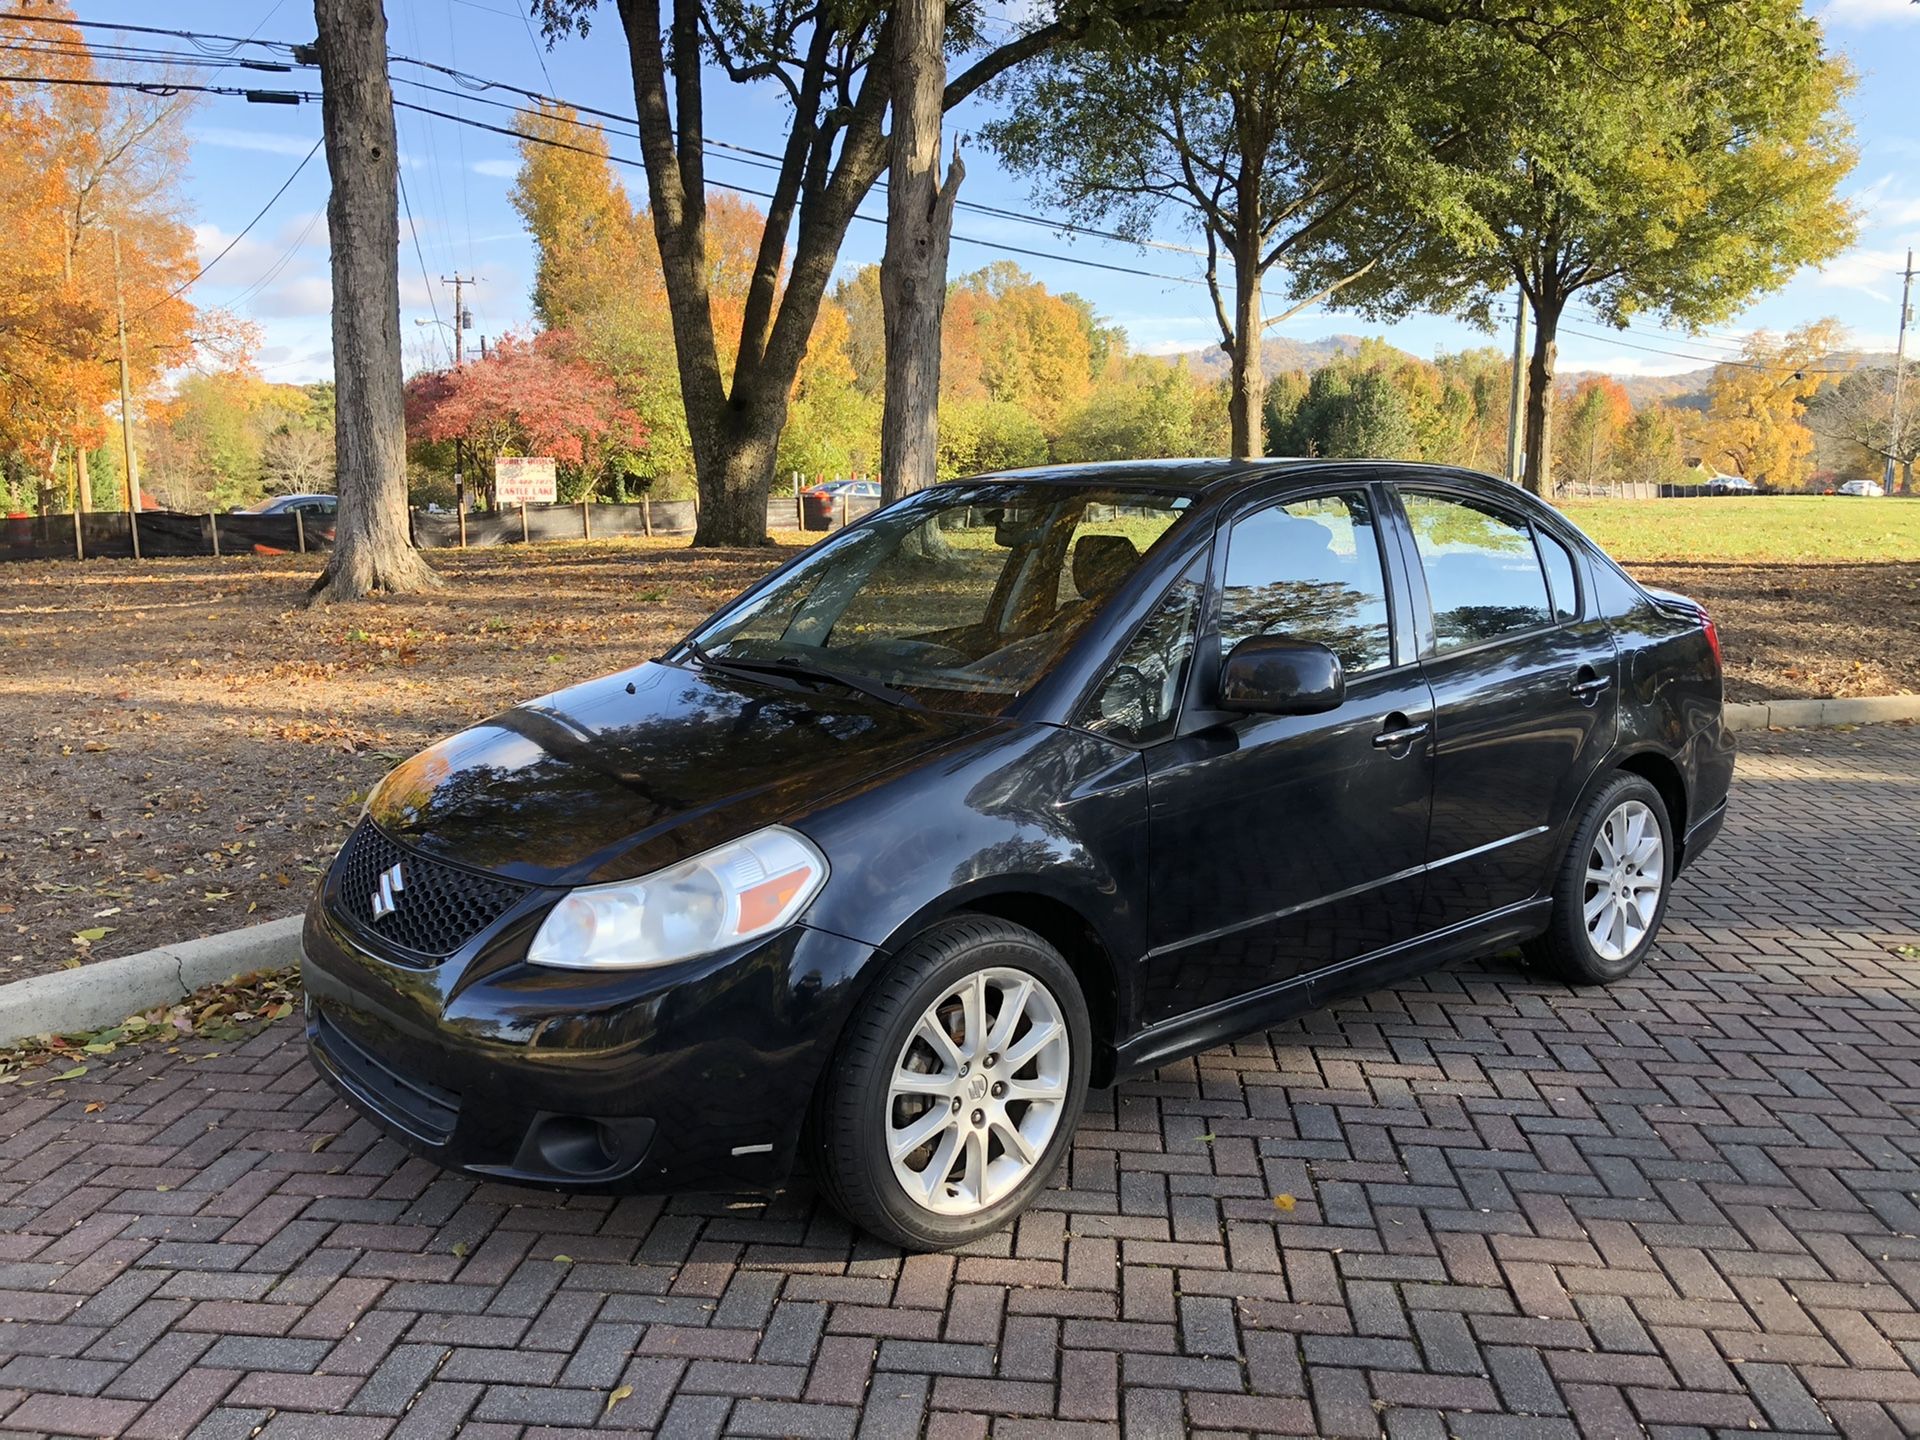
(456, 180)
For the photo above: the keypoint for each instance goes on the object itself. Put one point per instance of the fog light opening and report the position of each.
(576, 1145)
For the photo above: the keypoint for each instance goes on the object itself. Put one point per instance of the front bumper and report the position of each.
(691, 1077)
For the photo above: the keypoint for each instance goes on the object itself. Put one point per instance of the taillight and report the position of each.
(1713, 635)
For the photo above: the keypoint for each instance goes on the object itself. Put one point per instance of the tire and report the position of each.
(861, 1111)
(1623, 930)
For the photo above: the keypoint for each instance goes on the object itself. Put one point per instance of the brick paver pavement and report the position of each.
(1682, 1206)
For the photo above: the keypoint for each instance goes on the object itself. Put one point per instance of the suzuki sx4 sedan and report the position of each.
(1020, 785)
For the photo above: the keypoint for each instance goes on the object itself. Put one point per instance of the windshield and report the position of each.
(962, 596)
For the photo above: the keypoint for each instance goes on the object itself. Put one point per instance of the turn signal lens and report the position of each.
(740, 891)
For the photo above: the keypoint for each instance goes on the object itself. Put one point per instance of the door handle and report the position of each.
(1400, 735)
(1586, 685)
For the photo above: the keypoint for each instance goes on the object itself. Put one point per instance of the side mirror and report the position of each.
(1272, 675)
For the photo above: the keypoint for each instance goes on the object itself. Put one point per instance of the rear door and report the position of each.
(1280, 843)
(1525, 697)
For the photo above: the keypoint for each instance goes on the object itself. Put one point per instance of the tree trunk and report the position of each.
(913, 271)
(1249, 383)
(372, 551)
(734, 482)
(1538, 475)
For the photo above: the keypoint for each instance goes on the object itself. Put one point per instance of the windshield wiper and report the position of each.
(802, 670)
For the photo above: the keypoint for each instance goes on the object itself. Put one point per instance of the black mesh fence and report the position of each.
(106, 535)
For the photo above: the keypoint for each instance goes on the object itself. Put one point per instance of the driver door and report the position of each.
(1284, 843)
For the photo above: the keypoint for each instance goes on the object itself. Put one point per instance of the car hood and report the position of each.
(626, 774)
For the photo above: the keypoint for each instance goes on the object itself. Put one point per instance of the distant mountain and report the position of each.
(1686, 390)
(1276, 356)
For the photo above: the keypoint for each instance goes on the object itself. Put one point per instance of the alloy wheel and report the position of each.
(1626, 869)
(977, 1091)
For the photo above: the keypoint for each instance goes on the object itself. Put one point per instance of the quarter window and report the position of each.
(1310, 570)
(1483, 574)
(1560, 581)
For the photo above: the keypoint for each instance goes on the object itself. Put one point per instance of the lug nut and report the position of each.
(979, 1117)
(956, 1104)
(998, 1089)
(963, 1068)
(990, 1059)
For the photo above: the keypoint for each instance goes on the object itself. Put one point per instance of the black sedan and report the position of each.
(1023, 784)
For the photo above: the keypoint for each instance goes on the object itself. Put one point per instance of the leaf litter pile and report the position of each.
(231, 1011)
(188, 745)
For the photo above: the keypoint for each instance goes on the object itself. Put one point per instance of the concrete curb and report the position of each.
(104, 993)
(1810, 714)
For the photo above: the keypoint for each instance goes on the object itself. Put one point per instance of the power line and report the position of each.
(192, 37)
(538, 53)
(471, 83)
(227, 248)
(768, 195)
(418, 254)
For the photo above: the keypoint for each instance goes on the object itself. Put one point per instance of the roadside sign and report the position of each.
(524, 480)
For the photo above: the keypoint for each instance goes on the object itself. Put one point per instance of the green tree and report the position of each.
(1649, 448)
(1141, 408)
(1268, 134)
(1596, 415)
(1679, 170)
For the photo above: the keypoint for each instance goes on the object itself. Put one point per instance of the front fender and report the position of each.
(1044, 811)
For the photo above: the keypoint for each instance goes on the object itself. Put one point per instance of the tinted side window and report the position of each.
(1140, 698)
(1560, 581)
(1310, 570)
(1483, 574)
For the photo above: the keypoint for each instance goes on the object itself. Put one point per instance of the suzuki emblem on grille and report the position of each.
(392, 881)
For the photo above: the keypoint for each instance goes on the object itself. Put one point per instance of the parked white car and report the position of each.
(1870, 489)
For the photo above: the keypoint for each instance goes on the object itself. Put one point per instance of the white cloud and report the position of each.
(298, 295)
(258, 140)
(1868, 12)
(498, 169)
(1870, 271)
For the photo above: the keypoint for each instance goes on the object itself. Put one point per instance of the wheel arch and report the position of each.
(1062, 924)
(1660, 771)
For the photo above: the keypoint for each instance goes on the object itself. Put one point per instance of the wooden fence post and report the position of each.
(846, 508)
(799, 511)
(523, 522)
(79, 541)
(646, 514)
(213, 533)
(586, 522)
(300, 530)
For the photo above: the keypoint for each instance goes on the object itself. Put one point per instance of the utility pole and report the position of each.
(1899, 371)
(126, 405)
(462, 322)
(462, 317)
(1517, 405)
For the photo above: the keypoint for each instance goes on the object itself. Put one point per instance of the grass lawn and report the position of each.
(1758, 530)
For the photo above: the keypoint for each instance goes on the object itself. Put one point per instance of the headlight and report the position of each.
(739, 891)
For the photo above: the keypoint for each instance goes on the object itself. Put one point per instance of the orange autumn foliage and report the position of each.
(78, 164)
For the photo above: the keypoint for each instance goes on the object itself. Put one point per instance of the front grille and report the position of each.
(435, 908)
(421, 1109)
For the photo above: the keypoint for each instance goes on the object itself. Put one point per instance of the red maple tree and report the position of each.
(528, 397)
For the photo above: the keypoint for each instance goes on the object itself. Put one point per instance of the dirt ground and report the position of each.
(187, 746)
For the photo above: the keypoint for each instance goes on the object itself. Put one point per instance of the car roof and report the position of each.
(1219, 473)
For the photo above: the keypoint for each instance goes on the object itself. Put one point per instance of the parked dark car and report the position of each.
(1020, 785)
(287, 504)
